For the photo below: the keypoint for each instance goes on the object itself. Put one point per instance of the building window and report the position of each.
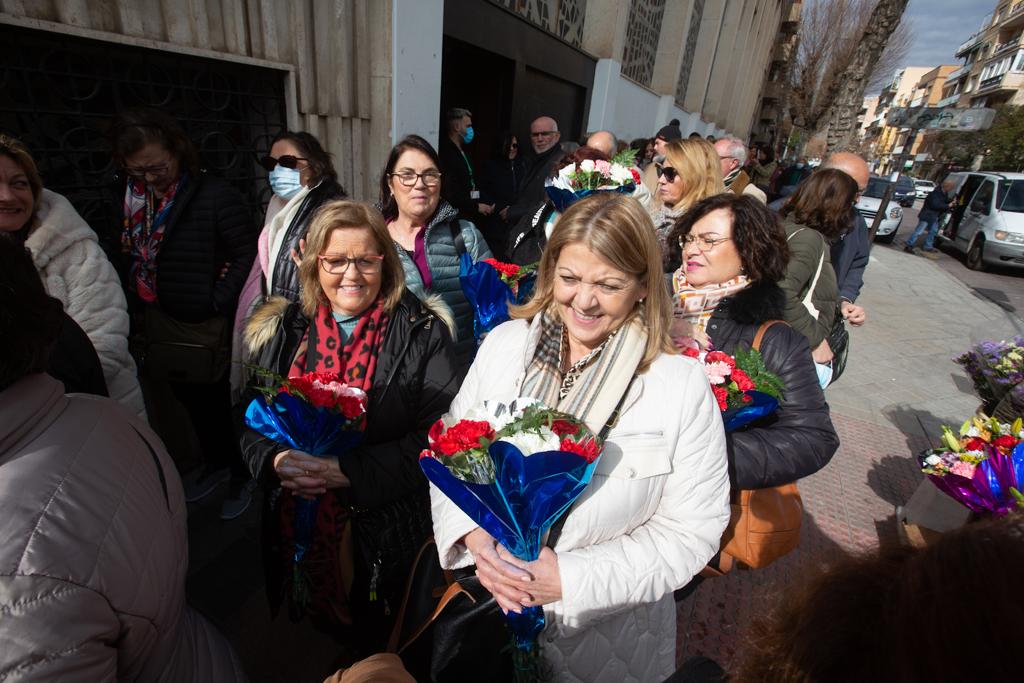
(568, 16)
(570, 20)
(642, 35)
(690, 50)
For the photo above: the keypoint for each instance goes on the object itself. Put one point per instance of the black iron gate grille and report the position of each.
(59, 94)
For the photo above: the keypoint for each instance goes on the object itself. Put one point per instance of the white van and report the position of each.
(987, 221)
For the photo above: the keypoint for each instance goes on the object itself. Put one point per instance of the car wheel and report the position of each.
(886, 239)
(976, 255)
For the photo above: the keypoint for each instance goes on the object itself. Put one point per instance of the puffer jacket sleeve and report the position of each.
(237, 235)
(380, 470)
(806, 249)
(96, 302)
(63, 632)
(800, 439)
(475, 243)
(670, 548)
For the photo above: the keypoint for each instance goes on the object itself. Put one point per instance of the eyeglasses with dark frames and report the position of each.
(336, 264)
(408, 178)
(140, 172)
(284, 161)
(705, 244)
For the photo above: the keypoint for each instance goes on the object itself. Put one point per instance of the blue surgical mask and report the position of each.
(467, 137)
(824, 373)
(285, 182)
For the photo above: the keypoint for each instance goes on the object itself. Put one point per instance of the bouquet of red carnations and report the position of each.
(744, 388)
(316, 413)
(490, 286)
(514, 470)
(982, 466)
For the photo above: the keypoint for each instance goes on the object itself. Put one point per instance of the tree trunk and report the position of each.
(847, 93)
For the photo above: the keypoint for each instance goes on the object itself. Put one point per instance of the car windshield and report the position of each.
(1012, 194)
(924, 183)
(876, 187)
(904, 185)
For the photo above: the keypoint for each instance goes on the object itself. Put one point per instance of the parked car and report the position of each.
(904, 192)
(987, 221)
(923, 187)
(868, 205)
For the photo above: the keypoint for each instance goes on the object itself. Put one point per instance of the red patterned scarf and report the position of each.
(321, 350)
(145, 220)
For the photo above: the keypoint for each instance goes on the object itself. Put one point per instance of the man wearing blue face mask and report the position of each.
(459, 184)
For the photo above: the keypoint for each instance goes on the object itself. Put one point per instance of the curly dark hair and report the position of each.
(883, 617)
(316, 156)
(823, 202)
(756, 232)
(133, 129)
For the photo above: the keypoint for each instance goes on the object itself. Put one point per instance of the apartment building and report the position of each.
(992, 72)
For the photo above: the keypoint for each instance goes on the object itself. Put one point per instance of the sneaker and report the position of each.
(909, 249)
(202, 481)
(236, 505)
(933, 254)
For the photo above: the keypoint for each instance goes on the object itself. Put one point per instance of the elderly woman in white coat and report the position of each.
(74, 268)
(654, 513)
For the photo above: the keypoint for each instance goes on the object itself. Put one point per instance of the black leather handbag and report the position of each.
(839, 342)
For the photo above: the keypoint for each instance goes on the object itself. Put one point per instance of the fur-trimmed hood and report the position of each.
(268, 318)
(757, 303)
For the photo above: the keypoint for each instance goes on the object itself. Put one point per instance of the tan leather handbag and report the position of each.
(765, 523)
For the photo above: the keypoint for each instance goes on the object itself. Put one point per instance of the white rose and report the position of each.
(529, 443)
(621, 175)
(932, 460)
(587, 166)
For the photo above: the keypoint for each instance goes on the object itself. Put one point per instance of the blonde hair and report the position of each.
(696, 162)
(19, 154)
(339, 215)
(618, 229)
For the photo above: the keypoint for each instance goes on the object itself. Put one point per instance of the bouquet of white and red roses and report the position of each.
(981, 466)
(316, 413)
(576, 181)
(514, 470)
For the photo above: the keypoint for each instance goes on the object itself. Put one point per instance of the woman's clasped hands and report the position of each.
(308, 476)
(514, 583)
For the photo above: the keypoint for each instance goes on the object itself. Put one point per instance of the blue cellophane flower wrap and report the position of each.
(488, 294)
(761, 405)
(563, 199)
(293, 422)
(988, 492)
(528, 495)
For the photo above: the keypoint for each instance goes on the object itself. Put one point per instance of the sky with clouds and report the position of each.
(940, 26)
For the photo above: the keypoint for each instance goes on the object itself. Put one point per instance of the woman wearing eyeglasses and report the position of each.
(734, 253)
(189, 241)
(428, 233)
(354, 317)
(688, 173)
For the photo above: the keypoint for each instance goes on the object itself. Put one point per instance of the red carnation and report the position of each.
(426, 453)
(721, 395)
(975, 444)
(508, 270)
(743, 381)
(746, 398)
(587, 448)
(691, 352)
(1005, 444)
(351, 406)
(435, 432)
(564, 428)
(636, 175)
(464, 436)
(719, 357)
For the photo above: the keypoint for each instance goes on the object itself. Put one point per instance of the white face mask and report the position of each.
(285, 182)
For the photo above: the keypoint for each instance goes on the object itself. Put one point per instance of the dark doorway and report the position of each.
(59, 95)
(482, 82)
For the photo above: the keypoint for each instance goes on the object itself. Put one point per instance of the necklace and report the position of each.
(570, 376)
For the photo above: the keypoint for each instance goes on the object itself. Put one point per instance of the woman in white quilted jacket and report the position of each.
(654, 513)
(74, 268)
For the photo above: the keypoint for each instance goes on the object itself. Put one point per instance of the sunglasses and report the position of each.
(514, 145)
(285, 161)
(670, 173)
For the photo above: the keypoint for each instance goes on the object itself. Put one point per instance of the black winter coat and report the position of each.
(799, 439)
(531, 187)
(458, 180)
(527, 239)
(210, 227)
(935, 204)
(286, 273)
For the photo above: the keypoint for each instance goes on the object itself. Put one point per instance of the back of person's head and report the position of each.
(312, 151)
(14, 150)
(696, 162)
(823, 202)
(768, 152)
(133, 129)
(619, 230)
(388, 205)
(756, 234)
(30, 320)
(947, 612)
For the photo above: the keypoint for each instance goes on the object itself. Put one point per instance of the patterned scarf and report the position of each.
(145, 220)
(696, 304)
(596, 383)
(329, 560)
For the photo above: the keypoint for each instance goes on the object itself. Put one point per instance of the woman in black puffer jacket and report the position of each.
(355, 317)
(733, 252)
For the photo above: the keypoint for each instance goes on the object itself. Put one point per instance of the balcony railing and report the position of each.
(1008, 81)
(970, 42)
(948, 101)
(959, 73)
(1014, 16)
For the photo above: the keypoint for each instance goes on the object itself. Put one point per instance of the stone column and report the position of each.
(417, 28)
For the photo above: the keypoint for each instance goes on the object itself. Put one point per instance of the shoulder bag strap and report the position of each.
(759, 337)
(556, 528)
(457, 239)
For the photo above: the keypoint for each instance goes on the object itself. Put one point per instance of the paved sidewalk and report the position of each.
(900, 385)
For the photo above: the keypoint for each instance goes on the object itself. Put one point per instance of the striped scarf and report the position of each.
(596, 383)
(696, 304)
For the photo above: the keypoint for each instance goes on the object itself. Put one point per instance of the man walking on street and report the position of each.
(935, 204)
(544, 137)
(732, 155)
(459, 186)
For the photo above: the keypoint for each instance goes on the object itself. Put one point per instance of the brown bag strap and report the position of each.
(759, 337)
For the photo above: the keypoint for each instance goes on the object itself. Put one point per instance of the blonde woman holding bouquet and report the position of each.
(594, 341)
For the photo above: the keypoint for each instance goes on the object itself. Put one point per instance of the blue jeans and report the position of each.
(933, 228)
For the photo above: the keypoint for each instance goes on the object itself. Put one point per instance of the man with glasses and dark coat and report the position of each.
(544, 138)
